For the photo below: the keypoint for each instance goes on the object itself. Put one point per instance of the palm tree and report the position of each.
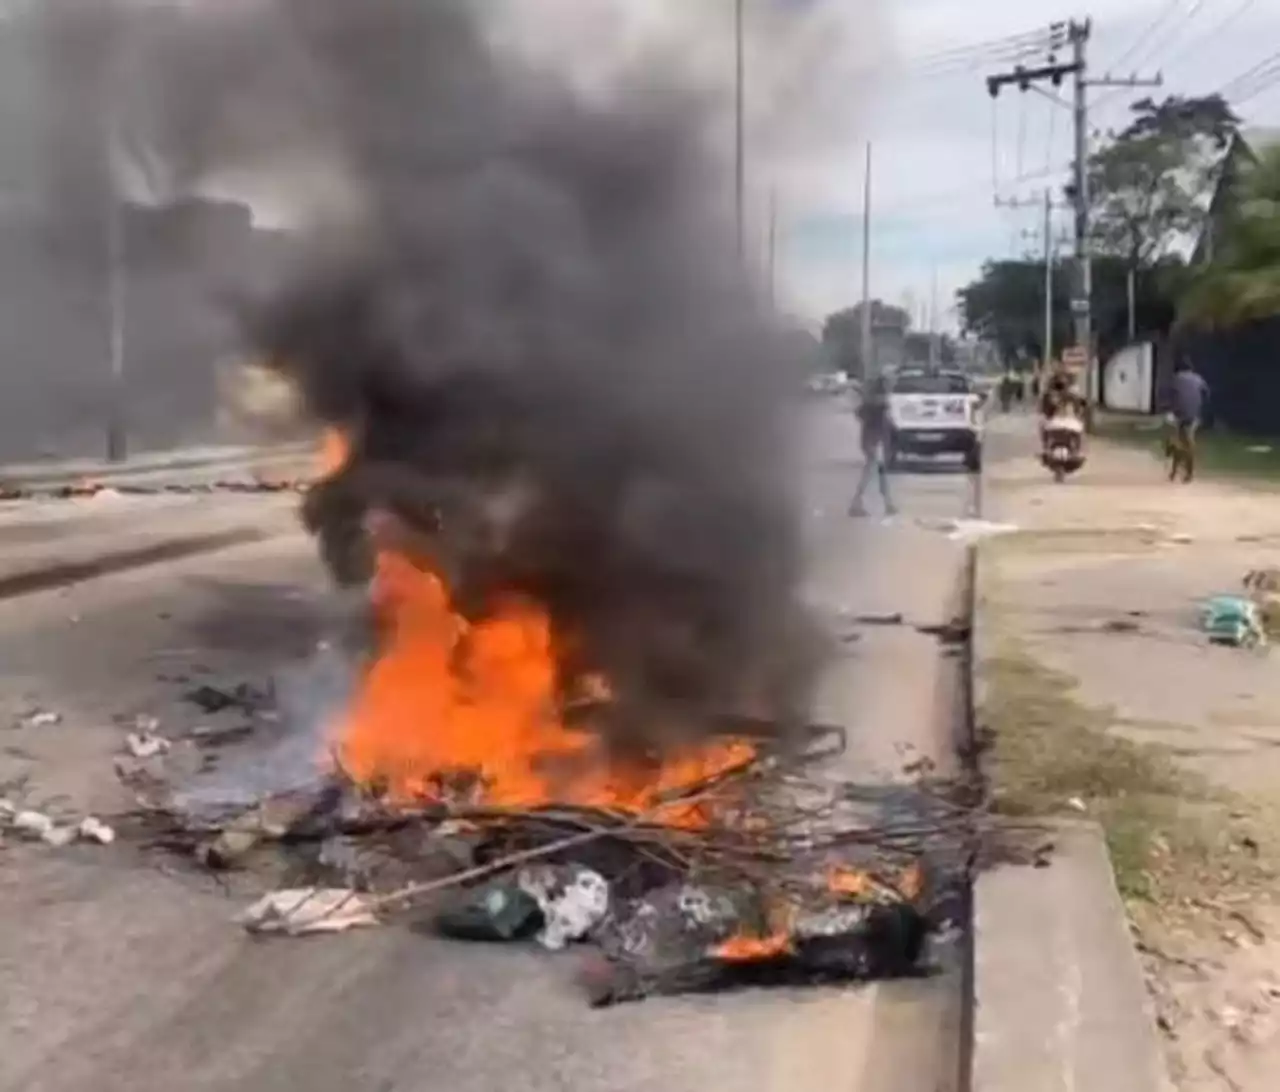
(1242, 283)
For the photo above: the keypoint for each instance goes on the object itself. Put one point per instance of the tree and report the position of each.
(1005, 306)
(1149, 186)
(1242, 283)
(842, 333)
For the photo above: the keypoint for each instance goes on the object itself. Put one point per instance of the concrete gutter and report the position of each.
(1060, 1004)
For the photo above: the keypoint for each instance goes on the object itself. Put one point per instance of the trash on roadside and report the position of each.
(502, 911)
(969, 530)
(93, 829)
(145, 744)
(1233, 620)
(301, 910)
(59, 836)
(573, 900)
(33, 824)
(41, 718)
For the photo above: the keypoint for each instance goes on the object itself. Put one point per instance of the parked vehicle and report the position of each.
(933, 413)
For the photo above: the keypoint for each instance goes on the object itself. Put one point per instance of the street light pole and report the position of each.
(772, 256)
(740, 123)
(867, 364)
(117, 438)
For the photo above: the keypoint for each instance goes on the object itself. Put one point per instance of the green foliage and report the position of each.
(1005, 306)
(1151, 184)
(1242, 283)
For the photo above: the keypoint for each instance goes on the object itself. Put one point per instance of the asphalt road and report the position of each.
(118, 976)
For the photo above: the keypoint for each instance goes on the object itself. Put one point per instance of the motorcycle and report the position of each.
(1063, 450)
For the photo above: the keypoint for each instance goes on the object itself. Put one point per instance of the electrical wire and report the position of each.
(1241, 83)
(1212, 33)
(1272, 77)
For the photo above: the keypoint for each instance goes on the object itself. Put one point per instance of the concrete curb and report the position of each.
(1059, 997)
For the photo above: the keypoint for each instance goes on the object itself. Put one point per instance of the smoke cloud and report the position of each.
(529, 315)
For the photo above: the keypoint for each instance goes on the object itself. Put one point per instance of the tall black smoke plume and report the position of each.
(549, 363)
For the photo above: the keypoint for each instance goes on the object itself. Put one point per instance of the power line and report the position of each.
(1236, 84)
(1211, 34)
(1145, 36)
(1272, 77)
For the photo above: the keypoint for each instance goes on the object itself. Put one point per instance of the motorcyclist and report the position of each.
(1058, 400)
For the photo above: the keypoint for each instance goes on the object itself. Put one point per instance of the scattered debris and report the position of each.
(41, 718)
(755, 875)
(1233, 620)
(1077, 804)
(879, 619)
(243, 697)
(93, 829)
(145, 744)
(572, 901)
(33, 824)
(969, 530)
(956, 632)
(302, 910)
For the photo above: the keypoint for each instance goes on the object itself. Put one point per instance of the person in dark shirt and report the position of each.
(1189, 393)
(873, 416)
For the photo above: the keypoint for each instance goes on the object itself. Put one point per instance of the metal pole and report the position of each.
(933, 318)
(740, 122)
(1081, 304)
(773, 248)
(117, 439)
(1132, 287)
(1048, 281)
(868, 365)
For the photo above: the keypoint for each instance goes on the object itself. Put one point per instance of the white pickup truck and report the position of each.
(935, 413)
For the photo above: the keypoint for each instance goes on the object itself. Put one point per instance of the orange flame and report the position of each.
(335, 450)
(449, 704)
(748, 949)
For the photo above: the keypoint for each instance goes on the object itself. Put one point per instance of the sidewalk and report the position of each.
(1106, 702)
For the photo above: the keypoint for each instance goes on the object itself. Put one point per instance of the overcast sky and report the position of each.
(935, 175)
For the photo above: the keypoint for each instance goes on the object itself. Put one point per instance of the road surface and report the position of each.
(120, 977)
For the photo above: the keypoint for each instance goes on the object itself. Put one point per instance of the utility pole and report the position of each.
(740, 122)
(1047, 355)
(1077, 37)
(868, 365)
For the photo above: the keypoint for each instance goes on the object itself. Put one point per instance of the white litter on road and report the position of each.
(969, 530)
(145, 744)
(93, 829)
(298, 911)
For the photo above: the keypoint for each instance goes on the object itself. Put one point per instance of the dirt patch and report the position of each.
(1196, 865)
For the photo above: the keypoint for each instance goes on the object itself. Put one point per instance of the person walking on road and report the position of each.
(1189, 394)
(873, 416)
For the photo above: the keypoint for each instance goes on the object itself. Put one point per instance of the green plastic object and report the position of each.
(1232, 620)
(500, 912)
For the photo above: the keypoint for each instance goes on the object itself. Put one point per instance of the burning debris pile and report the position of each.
(758, 874)
(557, 424)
